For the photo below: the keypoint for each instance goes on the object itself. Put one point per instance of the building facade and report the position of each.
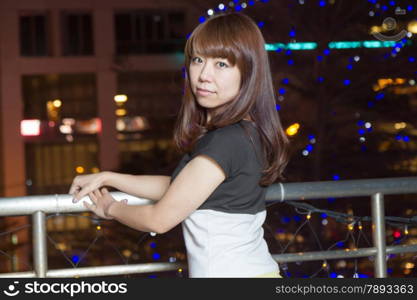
(84, 87)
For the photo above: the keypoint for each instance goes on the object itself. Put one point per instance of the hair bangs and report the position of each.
(212, 41)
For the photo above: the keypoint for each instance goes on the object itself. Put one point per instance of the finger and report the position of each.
(124, 201)
(104, 191)
(81, 194)
(74, 188)
(88, 206)
(97, 193)
(93, 198)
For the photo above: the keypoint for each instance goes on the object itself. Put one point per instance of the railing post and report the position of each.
(378, 233)
(40, 255)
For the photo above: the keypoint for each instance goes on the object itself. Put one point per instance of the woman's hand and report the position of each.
(102, 200)
(83, 185)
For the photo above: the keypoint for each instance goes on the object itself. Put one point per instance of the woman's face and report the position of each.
(214, 81)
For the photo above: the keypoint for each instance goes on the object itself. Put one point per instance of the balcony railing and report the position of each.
(39, 206)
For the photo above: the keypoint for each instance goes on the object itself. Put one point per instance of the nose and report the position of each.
(205, 73)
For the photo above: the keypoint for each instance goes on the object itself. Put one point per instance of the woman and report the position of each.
(234, 147)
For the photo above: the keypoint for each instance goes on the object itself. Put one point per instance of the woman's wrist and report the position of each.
(108, 212)
(106, 178)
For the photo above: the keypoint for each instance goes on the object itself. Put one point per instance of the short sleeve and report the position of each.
(221, 145)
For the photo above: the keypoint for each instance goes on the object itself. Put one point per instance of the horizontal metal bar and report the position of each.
(275, 193)
(27, 205)
(102, 271)
(341, 188)
(162, 267)
(339, 254)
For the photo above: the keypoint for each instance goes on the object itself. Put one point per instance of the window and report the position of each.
(76, 92)
(148, 31)
(77, 34)
(51, 166)
(34, 34)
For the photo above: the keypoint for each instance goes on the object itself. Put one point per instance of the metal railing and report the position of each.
(39, 206)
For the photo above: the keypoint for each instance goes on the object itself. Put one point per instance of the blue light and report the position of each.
(346, 82)
(363, 148)
(333, 275)
(291, 62)
(361, 131)
(278, 107)
(363, 275)
(261, 24)
(326, 51)
(297, 218)
(292, 33)
(349, 67)
(340, 244)
(361, 123)
(320, 79)
(236, 1)
(264, 1)
(188, 35)
(336, 177)
(371, 104)
(75, 259)
(285, 220)
(282, 91)
(202, 19)
(379, 96)
(311, 137)
(285, 81)
(384, 7)
(152, 245)
(406, 138)
(156, 256)
(331, 200)
(398, 137)
(278, 50)
(251, 2)
(410, 8)
(322, 3)
(152, 276)
(369, 129)
(309, 147)
(392, 3)
(288, 52)
(320, 58)
(389, 270)
(238, 8)
(324, 216)
(411, 59)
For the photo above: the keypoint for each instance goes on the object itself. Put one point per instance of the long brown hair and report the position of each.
(236, 37)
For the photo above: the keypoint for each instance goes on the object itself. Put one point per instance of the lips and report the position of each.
(203, 90)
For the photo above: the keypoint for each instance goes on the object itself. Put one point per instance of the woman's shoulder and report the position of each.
(228, 134)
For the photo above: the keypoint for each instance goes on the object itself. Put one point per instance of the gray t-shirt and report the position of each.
(239, 155)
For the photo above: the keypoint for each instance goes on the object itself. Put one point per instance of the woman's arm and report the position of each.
(193, 185)
(151, 187)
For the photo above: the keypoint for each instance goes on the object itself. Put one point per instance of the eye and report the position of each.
(222, 64)
(194, 59)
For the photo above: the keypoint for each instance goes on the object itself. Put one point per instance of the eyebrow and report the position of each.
(197, 54)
